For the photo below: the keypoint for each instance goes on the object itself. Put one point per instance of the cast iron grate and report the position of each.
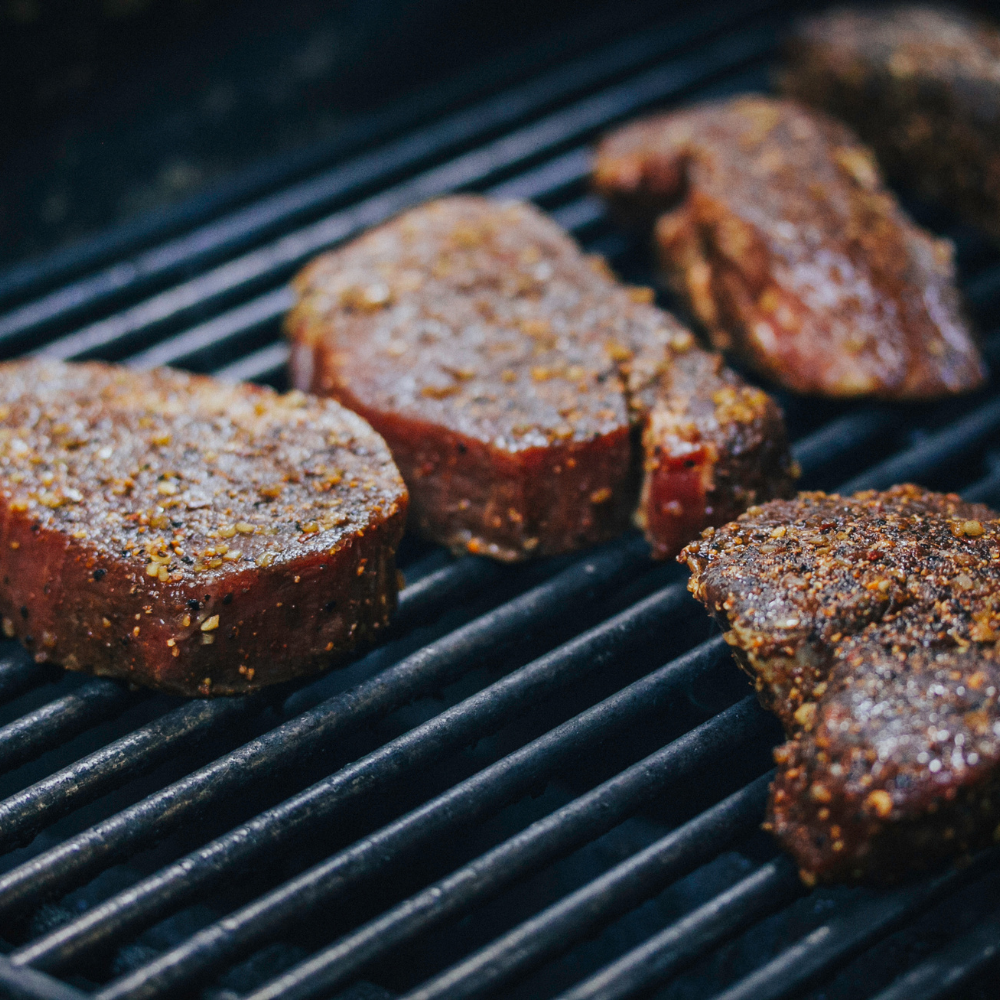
(549, 781)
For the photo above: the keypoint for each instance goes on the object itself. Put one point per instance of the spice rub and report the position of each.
(188, 535)
(512, 378)
(922, 86)
(774, 226)
(870, 626)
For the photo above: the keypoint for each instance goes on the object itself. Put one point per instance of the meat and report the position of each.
(870, 626)
(711, 445)
(192, 536)
(922, 86)
(774, 227)
(512, 378)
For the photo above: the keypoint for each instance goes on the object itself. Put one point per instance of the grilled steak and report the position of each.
(188, 535)
(711, 445)
(510, 376)
(922, 86)
(782, 239)
(870, 626)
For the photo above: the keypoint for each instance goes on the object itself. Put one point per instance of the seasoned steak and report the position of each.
(870, 626)
(195, 537)
(496, 360)
(922, 86)
(777, 231)
(711, 445)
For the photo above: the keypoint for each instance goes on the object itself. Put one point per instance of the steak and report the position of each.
(773, 225)
(513, 379)
(191, 536)
(870, 627)
(921, 86)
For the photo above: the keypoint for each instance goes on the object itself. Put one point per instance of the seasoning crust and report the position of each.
(870, 627)
(773, 225)
(188, 535)
(513, 378)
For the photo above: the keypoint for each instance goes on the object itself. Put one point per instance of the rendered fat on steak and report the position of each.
(870, 626)
(188, 535)
(922, 86)
(775, 228)
(512, 378)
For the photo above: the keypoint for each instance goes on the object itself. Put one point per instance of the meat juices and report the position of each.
(511, 377)
(775, 228)
(870, 626)
(921, 86)
(195, 537)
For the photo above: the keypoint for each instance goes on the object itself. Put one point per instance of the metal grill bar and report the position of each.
(987, 489)
(623, 887)
(24, 814)
(260, 366)
(478, 796)
(425, 598)
(26, 984)
(951, 968)
(580, 821)
(843, 437)
(953, 441)
(18, 673)
(771, 887)
(845, 936)
(58, 721)
(217, 333)
(563, 171)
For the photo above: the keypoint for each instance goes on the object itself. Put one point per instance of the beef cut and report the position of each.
(773, 225)
(921, 86)
(870, 625)
(513, 377)
(188, 535)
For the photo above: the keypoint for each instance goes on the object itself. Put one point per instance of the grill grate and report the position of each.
(354, 830)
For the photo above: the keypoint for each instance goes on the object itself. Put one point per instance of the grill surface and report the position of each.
(549, 781)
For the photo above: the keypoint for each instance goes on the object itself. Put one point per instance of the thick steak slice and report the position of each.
(779, 234)
(921, 86)
(192, 536)
(870, 626)
(465, 333)
(493, 356)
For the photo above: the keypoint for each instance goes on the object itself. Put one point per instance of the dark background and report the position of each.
(110, 108)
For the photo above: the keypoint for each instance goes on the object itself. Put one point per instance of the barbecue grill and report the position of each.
(549, 781)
